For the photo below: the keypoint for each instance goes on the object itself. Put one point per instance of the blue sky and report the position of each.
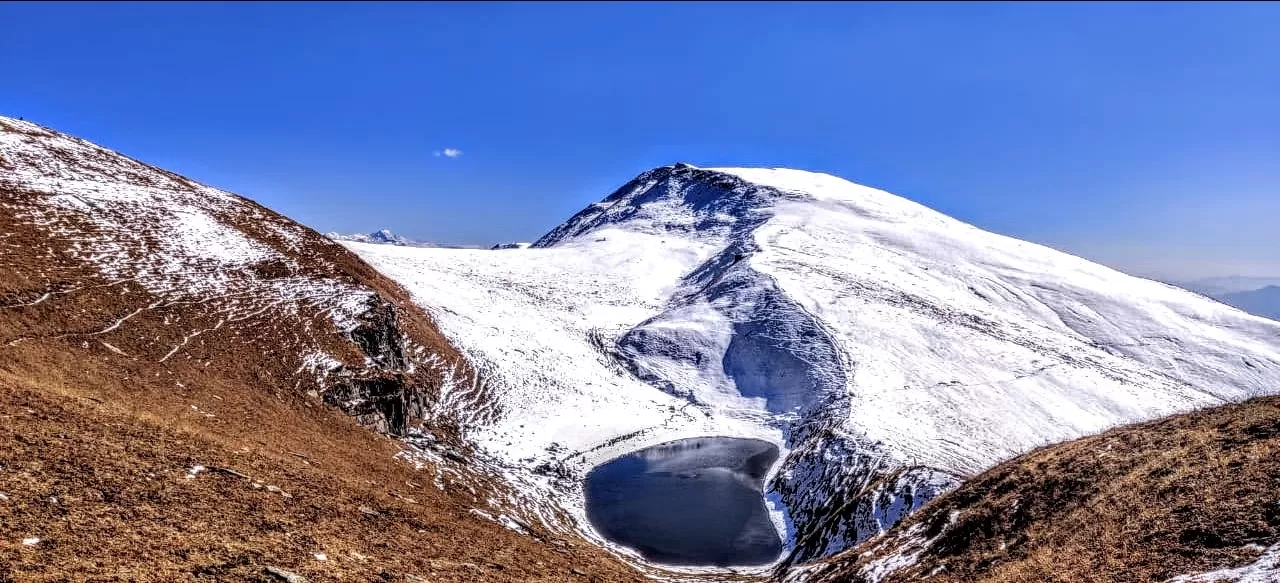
(1142, 135)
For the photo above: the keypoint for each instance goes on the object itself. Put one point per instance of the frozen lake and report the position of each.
(689, 502)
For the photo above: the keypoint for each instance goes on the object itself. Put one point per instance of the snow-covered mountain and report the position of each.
(383, 236)
(889, 350)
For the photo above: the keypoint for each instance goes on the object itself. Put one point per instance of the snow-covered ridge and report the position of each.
(888, 349)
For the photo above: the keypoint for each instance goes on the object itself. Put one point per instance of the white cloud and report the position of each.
(447, 153)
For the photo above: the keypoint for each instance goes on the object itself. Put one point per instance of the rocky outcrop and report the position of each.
(382, 394)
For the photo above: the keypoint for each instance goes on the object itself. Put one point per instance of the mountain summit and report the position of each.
(890, 351)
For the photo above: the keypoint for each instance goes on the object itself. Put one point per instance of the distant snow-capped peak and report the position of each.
(383, 236)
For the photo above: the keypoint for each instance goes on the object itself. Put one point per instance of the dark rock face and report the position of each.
(378, 402)
(719, 203)
(381, 394)
(379, 336)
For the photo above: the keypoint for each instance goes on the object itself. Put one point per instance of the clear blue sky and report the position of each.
(1143, 135)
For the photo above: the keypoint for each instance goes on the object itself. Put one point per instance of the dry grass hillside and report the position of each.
(1184, 495)
(151, 326)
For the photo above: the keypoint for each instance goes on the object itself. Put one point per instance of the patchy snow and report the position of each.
(861, 332)
(502, 519)
(177, 238)
(223, 258)
(1266, 569)
(318, 363)
(911, 543)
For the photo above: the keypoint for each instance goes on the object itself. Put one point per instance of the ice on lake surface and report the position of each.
(688, 502)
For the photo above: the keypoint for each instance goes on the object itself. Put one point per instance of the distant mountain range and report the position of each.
(1263, 302)
(383, 236)
(1259, 296)
(386, 237)
(1215, 286)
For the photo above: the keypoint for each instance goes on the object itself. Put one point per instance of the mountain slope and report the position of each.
(889, 350)
(90, 234)
(1195, 497)
(151, 326)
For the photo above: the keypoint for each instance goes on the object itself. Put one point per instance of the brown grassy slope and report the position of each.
(104, 486)
(1182, 495)
(93, 415)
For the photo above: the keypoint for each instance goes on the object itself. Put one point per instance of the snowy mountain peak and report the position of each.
(712, 202)
(680, 199)
(382, 236)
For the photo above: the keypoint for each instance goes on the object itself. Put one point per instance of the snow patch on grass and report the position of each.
(1266, 569)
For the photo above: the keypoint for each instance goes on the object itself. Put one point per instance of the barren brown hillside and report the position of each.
(151, 326)
(1192, 493)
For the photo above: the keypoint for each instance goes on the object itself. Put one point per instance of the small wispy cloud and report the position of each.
(447, 153)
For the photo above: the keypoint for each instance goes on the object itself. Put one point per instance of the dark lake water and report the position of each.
(689, 502)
